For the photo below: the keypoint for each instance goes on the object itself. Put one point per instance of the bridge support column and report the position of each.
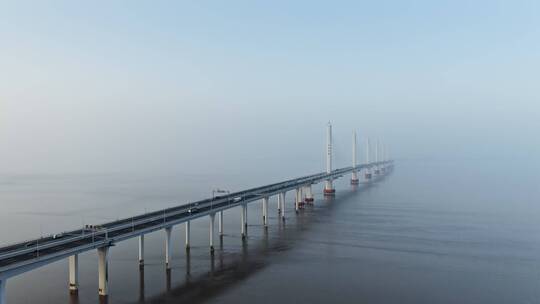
(297, 199)
(309, 194)
(187, 235)
(212, 217)
(279, 204)
(368, 174)
(74, 274)
(168, 231)
(221, 224)
(246, 216)
(354, 178)
(329, 188)
(265, 211)
(282, 199)
(368, 169)
(3, 291)
(141, 251)
(243, 221)
(103, 271)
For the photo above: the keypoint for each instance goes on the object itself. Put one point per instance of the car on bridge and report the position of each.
(194, 208)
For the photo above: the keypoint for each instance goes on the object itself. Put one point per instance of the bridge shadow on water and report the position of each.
(228, 269)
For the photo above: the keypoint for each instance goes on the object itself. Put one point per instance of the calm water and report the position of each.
(431, 232)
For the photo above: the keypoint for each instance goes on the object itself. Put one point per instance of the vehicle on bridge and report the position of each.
(194, 208)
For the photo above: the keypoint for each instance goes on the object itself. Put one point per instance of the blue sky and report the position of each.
(84, 84)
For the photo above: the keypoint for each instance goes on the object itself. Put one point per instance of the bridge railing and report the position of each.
(114, 226)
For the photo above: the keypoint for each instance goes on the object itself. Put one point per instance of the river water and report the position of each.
(430, 232)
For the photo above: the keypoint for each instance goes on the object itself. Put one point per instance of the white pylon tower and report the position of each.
(329, 188)
(368, 169)
(354, 176)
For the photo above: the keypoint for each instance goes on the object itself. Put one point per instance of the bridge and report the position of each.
(28, 255)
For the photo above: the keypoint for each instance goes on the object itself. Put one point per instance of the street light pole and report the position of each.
(221, 212)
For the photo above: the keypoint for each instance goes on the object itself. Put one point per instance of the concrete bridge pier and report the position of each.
(187, 235)
(141, 251)
(74, 274)
(265, 212)
(279, 204)
(354, 178)
(3, 291)
(221, 224)
(246, 216)
(300, 199)
(368, 169)
(168, 231)
(329, 188)
(212, 217)
(368, 175)
(243, 223)
(282, 199)
(309, 194)
(103, 271)
(297, 199)
(377, 171)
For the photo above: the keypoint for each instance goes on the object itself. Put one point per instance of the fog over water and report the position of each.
(182, 87)
(110, 110)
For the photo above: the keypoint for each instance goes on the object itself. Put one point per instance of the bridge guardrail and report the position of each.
(177, 210)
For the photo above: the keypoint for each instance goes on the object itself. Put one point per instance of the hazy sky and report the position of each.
(222, 85)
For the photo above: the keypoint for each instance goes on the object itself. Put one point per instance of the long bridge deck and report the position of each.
(28, 255)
